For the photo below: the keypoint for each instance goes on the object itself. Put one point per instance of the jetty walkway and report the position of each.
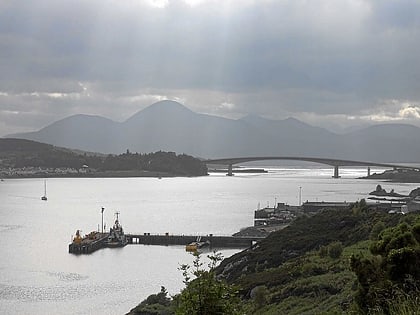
(99, 241)
(214, 241)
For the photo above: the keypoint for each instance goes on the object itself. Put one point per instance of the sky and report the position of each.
(334, 64)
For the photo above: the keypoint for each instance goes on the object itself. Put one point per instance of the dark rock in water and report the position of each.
(414, 193)
(379, 191)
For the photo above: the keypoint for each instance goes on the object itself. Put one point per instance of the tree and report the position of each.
(376, 229)
(205, 294)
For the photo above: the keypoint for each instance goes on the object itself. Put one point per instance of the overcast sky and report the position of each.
(329, 63)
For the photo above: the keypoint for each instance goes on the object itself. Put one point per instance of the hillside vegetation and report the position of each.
(318, 264)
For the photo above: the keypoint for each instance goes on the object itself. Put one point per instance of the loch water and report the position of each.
(39, 276)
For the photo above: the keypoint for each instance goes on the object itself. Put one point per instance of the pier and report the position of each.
(215, 241)
(99, 240)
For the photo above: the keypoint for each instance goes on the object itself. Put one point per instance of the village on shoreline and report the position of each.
(68, 172)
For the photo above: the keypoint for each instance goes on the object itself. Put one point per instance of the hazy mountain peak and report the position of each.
(253, 118)
(82, 117)
(162, 108)
(257, 118)
(293, 120)
(167, 106)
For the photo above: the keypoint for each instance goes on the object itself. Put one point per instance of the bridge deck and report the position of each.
(326, 161)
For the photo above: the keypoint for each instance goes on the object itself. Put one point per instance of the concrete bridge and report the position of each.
(327, 161)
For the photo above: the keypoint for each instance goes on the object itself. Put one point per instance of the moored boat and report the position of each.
(194, 246)
(116, 237)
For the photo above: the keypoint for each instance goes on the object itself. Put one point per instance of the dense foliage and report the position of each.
(159, 161)
(394, 269)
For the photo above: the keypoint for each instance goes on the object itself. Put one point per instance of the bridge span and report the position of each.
(336, 163)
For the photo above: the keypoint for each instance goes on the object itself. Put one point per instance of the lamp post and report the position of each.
(102, 225)
(300, 196)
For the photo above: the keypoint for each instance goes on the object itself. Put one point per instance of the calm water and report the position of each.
(38, 276)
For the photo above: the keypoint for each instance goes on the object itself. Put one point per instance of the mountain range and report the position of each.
(170, 126)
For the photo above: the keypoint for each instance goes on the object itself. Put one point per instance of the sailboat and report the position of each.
(45, 191)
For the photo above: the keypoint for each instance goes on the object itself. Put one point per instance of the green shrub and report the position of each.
(335, 250)
(323, 251)
(260, 296)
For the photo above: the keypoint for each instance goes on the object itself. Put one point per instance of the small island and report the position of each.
(399, 175)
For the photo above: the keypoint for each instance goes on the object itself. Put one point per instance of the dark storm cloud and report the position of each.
(274, 58)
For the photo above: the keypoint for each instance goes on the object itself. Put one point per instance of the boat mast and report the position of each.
(45, 191)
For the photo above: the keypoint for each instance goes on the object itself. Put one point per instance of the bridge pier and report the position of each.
(230, 172)
(336, 174)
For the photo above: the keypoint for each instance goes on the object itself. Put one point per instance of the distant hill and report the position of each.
(15, 147)
(83, 132)
(16, 153)
(170, 126)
